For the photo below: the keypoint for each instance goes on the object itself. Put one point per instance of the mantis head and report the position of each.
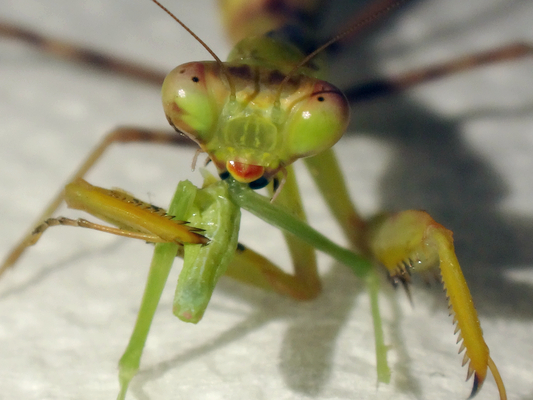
(250, 128)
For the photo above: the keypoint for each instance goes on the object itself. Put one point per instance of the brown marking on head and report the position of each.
(241, 71)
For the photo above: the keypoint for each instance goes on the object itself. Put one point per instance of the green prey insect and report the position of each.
(208, 240)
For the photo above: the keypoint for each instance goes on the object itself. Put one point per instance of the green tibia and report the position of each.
(280, 218)
(164, 255)
(382, 368)
(260, 206)
(210, 209)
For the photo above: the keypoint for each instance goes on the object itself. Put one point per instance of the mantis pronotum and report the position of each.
(177, 343)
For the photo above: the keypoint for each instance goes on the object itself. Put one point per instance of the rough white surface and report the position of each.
(460, 148)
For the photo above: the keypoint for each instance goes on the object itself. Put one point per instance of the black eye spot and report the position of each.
(258, 183)
(224, 175)
(195, 79)
(321, 98)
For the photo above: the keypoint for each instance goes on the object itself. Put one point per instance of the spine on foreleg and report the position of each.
(462, 306)
(413, 241)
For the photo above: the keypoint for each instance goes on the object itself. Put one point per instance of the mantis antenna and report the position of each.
(357, 25)
(218, 60)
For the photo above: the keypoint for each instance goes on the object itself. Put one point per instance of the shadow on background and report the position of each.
(433, 169)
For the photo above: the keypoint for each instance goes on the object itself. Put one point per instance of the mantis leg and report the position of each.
(135, 218)
(205, 259)
(325, 170)
(259, 206)
(192, 292)
(252, 268)
(412, 241)
(372, 89)
(119, 135)
(129, 363)
(162, 261)
(74, 52)
(404, 242)
(329, 178)
(302, 254)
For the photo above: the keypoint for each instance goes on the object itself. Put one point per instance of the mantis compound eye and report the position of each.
(188, 100)
(317, 122)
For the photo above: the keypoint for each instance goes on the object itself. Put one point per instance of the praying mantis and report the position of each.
(229, 308)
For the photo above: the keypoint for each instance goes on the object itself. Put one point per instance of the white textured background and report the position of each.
(460, 148)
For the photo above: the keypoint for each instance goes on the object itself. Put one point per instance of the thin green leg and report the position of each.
(328, 177)
(302, 254)
(330, 180)
(164, 255)
(382, 367)
(280, 218)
